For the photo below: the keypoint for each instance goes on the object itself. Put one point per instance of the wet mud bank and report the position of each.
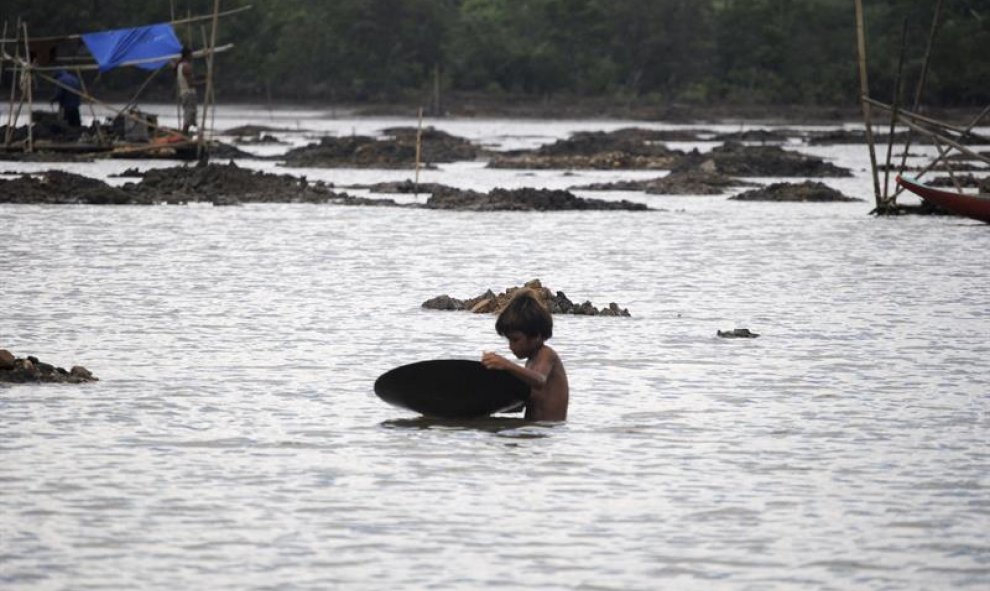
(808, 191)
(397, 149)
(491, 303)
(228, 184)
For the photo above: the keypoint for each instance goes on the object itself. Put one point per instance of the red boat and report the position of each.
(971, 205)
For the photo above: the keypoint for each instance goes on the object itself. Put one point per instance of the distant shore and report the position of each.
(467, 105)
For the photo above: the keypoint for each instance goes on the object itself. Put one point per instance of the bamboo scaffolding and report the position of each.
(102, 104)
(962, 131)
(181, 21)
(199, 53)
(920, 89)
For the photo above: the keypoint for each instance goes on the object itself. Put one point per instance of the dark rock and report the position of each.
(806, 191)
(6, 360)
(31, 369)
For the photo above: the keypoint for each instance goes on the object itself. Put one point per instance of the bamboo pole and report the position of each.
(893, 115)
(3, 48)
(30, 91)
(203, 157)
(89, 67)
(419, 150)
(923, 77)
(963, 131)
(864, 93)
(948, 141)
(14, 80)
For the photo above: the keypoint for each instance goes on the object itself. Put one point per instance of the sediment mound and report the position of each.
(30, 369)
(625, 148)
(524, 200)
(686, 182)
(220, 184)
(60, 187)
(738, 160)
(397, 150)
(490, 302)
(806, 191)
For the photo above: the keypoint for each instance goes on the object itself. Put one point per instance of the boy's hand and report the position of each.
(494, 360)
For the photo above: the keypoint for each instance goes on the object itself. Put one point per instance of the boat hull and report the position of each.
(972, 206)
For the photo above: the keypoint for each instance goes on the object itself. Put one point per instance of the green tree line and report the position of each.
(670, 51)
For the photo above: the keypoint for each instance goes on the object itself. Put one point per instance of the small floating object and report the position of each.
(737, 333)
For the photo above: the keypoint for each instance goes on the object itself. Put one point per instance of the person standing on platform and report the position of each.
(67, 96)
(187, 92)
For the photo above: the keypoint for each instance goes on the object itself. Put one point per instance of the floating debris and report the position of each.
(737, 333)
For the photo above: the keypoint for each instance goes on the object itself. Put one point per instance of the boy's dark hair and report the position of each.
(186, 52)
(525, 314)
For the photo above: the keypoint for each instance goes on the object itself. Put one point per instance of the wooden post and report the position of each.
(14, 80)
(30, 91)
(201, 152)
(3, 49)
(419, 149)
(864, 93)
(893, 115)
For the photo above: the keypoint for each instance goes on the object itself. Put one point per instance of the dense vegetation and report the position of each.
(666, 51)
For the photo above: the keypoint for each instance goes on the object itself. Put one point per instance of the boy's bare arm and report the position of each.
(535, 375)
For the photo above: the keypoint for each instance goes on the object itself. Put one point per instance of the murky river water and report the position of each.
(234, 440)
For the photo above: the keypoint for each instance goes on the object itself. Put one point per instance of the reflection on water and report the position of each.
(519, 427)
(235, 442)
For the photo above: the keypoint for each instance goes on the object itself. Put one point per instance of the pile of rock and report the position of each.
(396, 150)
(736, 159)
(30, 369)
(622, 149)
(683, 182)
(524, 200)
(490, 302)
(806, 191)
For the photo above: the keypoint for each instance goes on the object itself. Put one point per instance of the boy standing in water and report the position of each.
(527, 324)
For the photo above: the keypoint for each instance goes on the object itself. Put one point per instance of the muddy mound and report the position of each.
(765, 136)
(394, 151)
(406, 187)
(738, 160)
(30, 369)
(523, 200)
(686, 182)
(228, 183)
(254, 130)
(966, 181)
(490, 302)
(59, 187)
(806, 191)
(593, 150)
(436, 145)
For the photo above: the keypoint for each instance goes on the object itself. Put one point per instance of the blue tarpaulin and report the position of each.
(113, 48)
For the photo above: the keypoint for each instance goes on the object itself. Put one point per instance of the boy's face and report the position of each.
(523, 346)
